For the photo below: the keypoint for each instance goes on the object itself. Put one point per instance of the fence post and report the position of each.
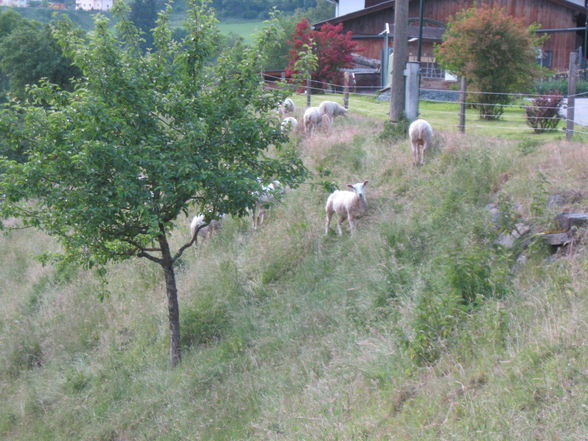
(462, 105)
(346, 90)
(308, 91)
(571, 97)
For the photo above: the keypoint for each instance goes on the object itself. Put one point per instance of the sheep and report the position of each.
(348, 205)
(289, 124)
(204, 230)
(332, 109)
(287, 106)
(312, 119)
(420, 133)
(264, 200)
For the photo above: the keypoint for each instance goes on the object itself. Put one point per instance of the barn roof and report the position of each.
(390, 3)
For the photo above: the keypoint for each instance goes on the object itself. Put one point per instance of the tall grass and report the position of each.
(417, 327)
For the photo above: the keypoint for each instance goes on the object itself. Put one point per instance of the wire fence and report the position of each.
(512, 109)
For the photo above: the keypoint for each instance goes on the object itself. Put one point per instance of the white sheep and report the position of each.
(332, 109)
(312, 119)
(205, 230)
(349, 205)
(287, 106)
(264, 200)
(289, 124)
(420, 133)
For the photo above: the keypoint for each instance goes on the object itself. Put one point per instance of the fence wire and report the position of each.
(351, 90)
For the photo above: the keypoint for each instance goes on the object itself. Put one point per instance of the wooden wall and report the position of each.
(544, 12)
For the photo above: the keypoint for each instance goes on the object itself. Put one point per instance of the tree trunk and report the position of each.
(397, 88)
(172, 301)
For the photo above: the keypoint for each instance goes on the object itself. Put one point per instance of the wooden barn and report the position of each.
(367, 20)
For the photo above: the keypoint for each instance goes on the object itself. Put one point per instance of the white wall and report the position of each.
(348, 6)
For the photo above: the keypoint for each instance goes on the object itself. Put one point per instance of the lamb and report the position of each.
(348, 205)
(289, 124)
(287, 106)
(204, 230)
(420, 133)
(332, 109)
(312, 119)
(267, 197)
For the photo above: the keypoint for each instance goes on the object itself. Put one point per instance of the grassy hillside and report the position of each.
(417, 327)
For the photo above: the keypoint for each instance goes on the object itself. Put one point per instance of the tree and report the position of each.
(144, 15)
(143, 137)
(30, 53)
(332, 48)
(493, 51)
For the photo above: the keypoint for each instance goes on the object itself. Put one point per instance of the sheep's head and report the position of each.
(359, 188)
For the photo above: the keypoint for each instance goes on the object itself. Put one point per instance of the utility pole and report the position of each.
(399, 61)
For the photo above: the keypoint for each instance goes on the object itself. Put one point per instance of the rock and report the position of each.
(557, 239)
(569, 220)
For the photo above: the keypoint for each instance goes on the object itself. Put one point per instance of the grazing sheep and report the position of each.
(312, 119)
(420, 133)
(287, 107)
(348, 205)
(264, 200)
(332, 109)
(289, 124)
(205, 230)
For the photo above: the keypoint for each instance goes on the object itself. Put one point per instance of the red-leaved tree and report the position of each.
(332, 47)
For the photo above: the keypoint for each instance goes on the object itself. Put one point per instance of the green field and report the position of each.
(417, 327)
(243, 29)
(445, 116)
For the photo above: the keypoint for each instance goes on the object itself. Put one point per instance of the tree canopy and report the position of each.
(329, 44)
(28, 52)
(494, 51)
(143, 137)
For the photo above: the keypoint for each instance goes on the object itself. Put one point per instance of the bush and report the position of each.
(543, 113)
(560, 85)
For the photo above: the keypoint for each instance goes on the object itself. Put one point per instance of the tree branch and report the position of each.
(189, 244)
(150, 257)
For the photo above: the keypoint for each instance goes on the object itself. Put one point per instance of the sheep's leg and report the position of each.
(415, 154)
(351, 225)
(328, 221)
(261, 217)
(340, 221)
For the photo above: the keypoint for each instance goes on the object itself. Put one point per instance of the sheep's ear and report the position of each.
(365, 183)
(351, 186)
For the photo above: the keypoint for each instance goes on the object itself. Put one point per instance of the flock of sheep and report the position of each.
(348, 205)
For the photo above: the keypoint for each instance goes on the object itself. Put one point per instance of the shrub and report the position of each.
(560, 85)
(543, 113)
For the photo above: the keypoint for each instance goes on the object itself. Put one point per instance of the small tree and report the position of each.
(494, 51)
(331, 46)
(141, 139)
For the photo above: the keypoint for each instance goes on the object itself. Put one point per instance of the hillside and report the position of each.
(419, 327)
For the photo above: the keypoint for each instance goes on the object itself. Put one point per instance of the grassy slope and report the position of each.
(300, 336)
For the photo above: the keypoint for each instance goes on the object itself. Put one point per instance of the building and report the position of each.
(367, 19)
(94, 5)
(16, 3)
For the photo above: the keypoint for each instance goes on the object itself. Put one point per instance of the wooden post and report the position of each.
(397, 88)
(346, 90)
(571, 97)
(462, 105)
(308, 91)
